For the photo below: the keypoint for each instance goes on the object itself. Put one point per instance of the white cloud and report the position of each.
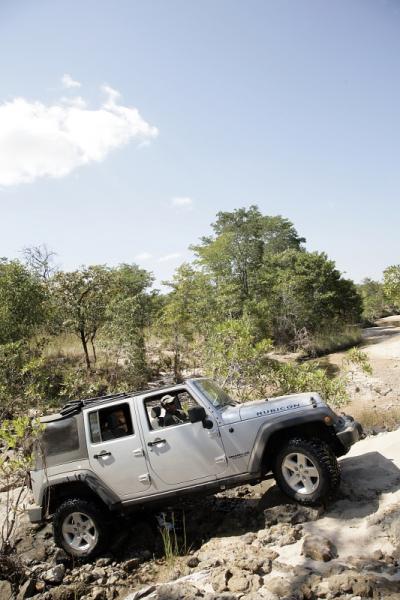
(39, 140)
(142, 256)
(169, 257)
(182, 202)
(76, 101)
(68, 82)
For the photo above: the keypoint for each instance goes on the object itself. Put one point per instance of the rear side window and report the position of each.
(61, 437)
(110, 423)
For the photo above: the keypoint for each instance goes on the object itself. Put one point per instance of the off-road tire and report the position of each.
(98, 517)
(322, 456)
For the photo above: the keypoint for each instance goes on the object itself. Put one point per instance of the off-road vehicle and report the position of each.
(115, 453)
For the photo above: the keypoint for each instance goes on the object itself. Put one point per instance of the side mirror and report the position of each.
(197, 414)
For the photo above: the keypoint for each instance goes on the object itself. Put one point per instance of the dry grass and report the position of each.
(335, 341)
(64, 345)
(374, 417)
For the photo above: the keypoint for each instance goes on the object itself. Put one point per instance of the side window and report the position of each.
(164, 410)
(110, 423)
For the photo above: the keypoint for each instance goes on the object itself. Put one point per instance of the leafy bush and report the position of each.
(290, 378)
(234, 359)
(17, 437)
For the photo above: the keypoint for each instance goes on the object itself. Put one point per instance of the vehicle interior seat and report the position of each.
(157, 421)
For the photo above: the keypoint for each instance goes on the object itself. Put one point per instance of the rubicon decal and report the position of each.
(276, 409)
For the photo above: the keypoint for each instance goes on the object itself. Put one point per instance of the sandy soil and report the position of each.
(382, 389)
(369, 496)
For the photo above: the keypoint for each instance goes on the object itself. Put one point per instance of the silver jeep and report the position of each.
(113, 454)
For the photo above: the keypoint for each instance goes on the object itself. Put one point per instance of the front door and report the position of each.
(181, 452)
(115, 448)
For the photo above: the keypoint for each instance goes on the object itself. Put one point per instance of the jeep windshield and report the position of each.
(214, 393)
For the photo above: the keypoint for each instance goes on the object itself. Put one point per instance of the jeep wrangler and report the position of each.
(113, 454)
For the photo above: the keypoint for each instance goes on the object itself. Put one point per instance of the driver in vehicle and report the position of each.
(173, 414)
(116, 425)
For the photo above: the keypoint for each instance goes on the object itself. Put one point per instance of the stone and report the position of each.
(131, 565)
(270, 554)
(40, 586)
(248, 538)
(279, 586)
(220, 578)
(5, 590)
(103, 562)
(362, 587)
(98, 572)
(305, 514)
(144, 591)
(55, 575)
(292, 514)
(64, 592)
(177, 592)
(318, 548)
(61, 556)
(258, 566)
(288, 539)
(377, 555)
(98, 593)
(192, 562)
(265, 594)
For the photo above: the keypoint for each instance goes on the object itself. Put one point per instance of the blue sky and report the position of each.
(290, 105)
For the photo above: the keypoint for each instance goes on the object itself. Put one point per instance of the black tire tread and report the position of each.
(326, 458)
(92, 509)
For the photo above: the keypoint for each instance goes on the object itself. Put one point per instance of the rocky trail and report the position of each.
(246, 543)
(252, 543)
(381, 390)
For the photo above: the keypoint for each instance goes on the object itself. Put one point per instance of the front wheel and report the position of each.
(307, 470)
(80, 528)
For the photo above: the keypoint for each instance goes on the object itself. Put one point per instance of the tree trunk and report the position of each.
(85, 349)
(93, 347)
(177, 364)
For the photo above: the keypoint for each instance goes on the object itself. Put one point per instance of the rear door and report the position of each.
(182, 452)
(115, 448)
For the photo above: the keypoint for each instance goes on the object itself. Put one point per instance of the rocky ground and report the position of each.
(246, 543)
(380, 391)
(250, 542)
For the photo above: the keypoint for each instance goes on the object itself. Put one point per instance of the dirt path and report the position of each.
(381, 391)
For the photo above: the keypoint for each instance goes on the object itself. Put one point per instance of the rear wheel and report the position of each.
(307, 470)
(80, 528)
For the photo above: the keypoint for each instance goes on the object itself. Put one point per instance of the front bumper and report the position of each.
(348, 431)
(34, 513)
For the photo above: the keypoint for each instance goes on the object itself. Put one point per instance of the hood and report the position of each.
(272, 407)
(281, 404)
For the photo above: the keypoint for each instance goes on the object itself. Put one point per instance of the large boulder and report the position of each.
(318, 548)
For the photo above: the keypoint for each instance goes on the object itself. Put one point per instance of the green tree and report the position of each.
(188, 312)
(22, 302)
(303, 291)
(129, 312)
(233, 357)
(375, 305)
(391, 285)
(81, 298)
(235, 253)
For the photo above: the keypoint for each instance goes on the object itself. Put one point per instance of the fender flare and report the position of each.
(279, 424)
(88, 479)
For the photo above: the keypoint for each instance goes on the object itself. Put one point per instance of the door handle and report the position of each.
(158, 441)
(102, 454)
